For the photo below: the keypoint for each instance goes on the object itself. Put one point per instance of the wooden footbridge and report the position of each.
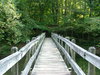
(49, 56)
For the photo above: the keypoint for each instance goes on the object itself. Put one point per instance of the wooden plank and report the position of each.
(32, 60)
(49, 61)
(92, 58)
(76, 68)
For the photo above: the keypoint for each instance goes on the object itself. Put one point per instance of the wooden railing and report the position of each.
(9, 61)
(28, 67)
(66, 46)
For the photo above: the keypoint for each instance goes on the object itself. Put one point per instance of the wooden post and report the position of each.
(32, 49)
(27, 41)
(73, 55)
(15, 68)
(30, 71)
(66, 46)
(33, 38)
(67, 49)
(61, 42)
(58, 39)
(91, 68)
(28, 54)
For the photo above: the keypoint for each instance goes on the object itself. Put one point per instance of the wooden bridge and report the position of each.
(49, 56)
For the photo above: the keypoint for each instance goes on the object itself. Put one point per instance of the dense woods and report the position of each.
(22, 19)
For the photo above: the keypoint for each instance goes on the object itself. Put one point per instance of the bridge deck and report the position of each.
(49, 61)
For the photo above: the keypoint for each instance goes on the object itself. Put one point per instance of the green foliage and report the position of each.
(9, 23)
(19, 19)
(93, 26)
(98, 45)
(4, 50)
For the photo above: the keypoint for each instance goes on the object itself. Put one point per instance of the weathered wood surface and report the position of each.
(90, 57)
(9, 61)
(74, 65)
(28, 66)
(91, 68)
(49, 61)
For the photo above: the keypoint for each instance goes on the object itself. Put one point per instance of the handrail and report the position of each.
(32, 59)
(93, 59)
(11, 60)
(76, 68)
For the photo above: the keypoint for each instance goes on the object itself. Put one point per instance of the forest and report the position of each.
(21, 20)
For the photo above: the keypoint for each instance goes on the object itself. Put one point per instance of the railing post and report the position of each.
(33, 38)
(73, 55)
(33, 50)
(59, 41)
(62, 43)
(28, 54)
(91, 68)
(66, 46)
(30, 71)
(67, 49)
(27, 41)
(15, 68)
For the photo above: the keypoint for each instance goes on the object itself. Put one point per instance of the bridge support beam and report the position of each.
(91, 68)
(15, 68)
